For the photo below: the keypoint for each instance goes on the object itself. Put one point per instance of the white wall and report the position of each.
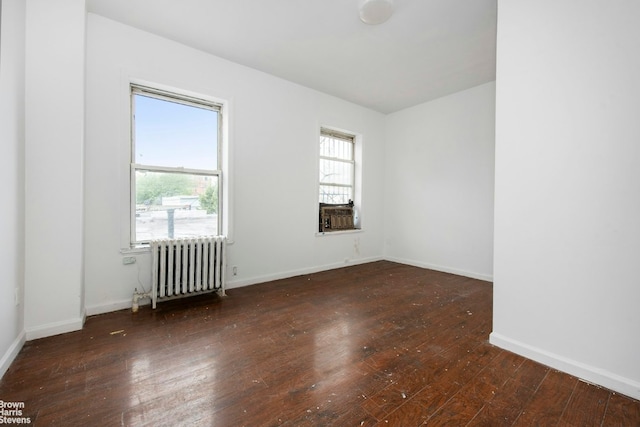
(12, 177)
(439, 188)
(273, 173)
(567, 212)
(54, 137)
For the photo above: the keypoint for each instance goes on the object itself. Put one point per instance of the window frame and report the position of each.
(344, 136)
(179, 98)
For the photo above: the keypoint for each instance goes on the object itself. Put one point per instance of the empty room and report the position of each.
(320, 213)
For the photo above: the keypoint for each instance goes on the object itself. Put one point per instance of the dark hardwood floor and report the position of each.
(379, 344)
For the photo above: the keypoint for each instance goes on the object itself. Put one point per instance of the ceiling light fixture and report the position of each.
(375, 12)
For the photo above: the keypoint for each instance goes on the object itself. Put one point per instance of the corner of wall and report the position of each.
(11, 353)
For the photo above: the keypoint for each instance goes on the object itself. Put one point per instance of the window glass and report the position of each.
(336, 167)
(173, 205)
(173, 134)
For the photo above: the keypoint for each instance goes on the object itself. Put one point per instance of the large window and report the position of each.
(337, 167)
(175, 168)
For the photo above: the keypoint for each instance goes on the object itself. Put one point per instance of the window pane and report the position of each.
(337, 195)
(335, 147)
(332, 172)
(176, 205)
(175, 135)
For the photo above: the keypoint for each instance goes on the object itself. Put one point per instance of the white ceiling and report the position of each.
(428, 49)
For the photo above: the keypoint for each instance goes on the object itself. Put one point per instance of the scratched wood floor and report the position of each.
(379, 344)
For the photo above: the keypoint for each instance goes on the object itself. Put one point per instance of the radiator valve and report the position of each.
(136, 296)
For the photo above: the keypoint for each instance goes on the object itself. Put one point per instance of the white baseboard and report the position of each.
(293, 273)
(231, 284)
(471, 274)
(12, 352)
(583, 371)
(55, 328)
(93, 310)
(96, 309)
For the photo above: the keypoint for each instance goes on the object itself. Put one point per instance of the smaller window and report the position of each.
(336, 181)
(337, 167)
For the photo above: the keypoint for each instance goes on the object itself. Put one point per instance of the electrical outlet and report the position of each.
(235, 270)
(129, 260)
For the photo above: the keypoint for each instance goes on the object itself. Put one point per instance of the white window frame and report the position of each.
(324, 131)
(179, 99)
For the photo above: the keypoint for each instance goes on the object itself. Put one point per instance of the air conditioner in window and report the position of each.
(334, 217)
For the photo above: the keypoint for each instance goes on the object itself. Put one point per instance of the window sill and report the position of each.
(145, 249)
(142, 249)
(332, 233)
